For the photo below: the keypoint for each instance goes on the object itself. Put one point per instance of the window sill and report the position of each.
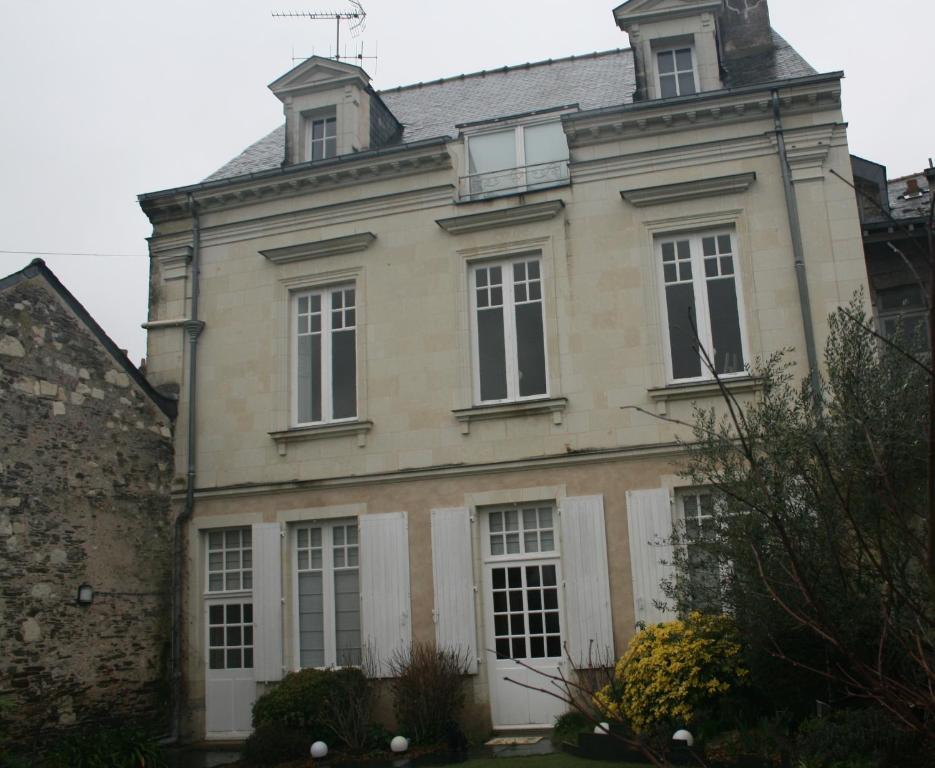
(321, 432)
(701, 389)
(554, 405)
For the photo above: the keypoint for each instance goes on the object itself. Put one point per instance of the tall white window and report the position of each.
(328, 575)
(521, 158)
(701, 304)
(676, 70)
(696, 508)
(321, 138)
(325, 379)
(508, 330)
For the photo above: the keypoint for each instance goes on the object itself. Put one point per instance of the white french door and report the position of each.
(230, 685)
(523, 617)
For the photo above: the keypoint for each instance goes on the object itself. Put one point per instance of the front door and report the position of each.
(230, 686)
(523, 617)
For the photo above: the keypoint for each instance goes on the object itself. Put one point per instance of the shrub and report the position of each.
(854, 738)
(348, 706)
(675, 673)
(111, 747)
(272, 744)
(568, 726)
(296, 702)
(428, 691)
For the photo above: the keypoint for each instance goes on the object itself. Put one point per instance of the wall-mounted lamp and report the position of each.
(85, 595)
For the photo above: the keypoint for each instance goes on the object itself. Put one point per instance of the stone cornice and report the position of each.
(317, 250)
(690, 113)
(688, 190)
(347, 170)
(502, 217)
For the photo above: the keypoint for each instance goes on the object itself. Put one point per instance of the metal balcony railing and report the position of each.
(512, 180)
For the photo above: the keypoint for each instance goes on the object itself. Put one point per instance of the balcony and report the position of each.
(511, 181)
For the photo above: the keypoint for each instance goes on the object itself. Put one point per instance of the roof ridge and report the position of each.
(915, 175)
(503, 70)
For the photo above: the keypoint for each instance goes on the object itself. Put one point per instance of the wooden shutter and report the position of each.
(649, 519)
(589, 630)
(453, 577)
(385, 615)
(267, 601)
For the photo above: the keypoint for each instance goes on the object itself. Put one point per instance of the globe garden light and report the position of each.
(399, 744)
(85, 595)
(319, 750)
(683, 736)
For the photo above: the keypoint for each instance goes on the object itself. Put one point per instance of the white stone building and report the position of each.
(421, 318)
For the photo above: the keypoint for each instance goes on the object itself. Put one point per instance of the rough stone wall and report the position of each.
(85, 471)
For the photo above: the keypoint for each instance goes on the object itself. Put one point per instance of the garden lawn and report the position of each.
(558, 760)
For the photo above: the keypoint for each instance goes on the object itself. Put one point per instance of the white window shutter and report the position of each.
(267, 601)
(649, 520)
(589, 632)
(453, 577)
(385, 614)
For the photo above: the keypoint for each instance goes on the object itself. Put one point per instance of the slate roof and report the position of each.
(912, 207)
(593, 81)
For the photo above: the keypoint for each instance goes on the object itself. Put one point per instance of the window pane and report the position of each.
(545, 144)
(686, 84)
(309, 379)
(216, 659)
(530, 349)
(492, 152)
(347, 617)
(683, 59)
(666, 62)
(680, 303)
(491, 354)
(344, 374)
(725, 326)
(311, 621)
(667, 86)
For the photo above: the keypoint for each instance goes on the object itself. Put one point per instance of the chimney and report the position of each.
(745, 27)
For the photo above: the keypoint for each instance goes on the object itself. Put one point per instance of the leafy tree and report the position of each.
(819, 532)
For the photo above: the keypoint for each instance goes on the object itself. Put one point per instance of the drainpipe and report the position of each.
(193, 327)
(798, 250)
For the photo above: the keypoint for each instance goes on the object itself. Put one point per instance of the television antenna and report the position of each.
(356, 19)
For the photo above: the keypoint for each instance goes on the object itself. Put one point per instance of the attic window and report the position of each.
(676, 72)
(321, 137)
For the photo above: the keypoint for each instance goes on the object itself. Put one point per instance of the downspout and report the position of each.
(798, 251)
(193, 327)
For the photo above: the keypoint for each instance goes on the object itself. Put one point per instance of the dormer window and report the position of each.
(321, 139)
(517, 159)
(676, 71)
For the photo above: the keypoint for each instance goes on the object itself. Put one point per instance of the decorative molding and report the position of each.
(807, 149)
(346, 170)
(689, 190)
(555, 405)
(302, 434)
(173, 262)
(700, 390)
(503, 217)
(332, 247)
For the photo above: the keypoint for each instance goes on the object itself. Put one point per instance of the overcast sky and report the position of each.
(104, 99)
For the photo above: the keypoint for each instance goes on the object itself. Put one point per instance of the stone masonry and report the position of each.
(85, 469)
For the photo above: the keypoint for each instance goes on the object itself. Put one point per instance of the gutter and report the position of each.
(798, 250)
(193, 327)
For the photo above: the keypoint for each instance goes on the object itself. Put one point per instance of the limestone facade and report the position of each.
(397, 224)
(85, 473)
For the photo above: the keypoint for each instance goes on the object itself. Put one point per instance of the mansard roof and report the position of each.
(593, 81)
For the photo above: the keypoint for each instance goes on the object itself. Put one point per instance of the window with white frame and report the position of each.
(328, 590)
(701, 305)
(521, 529)
(676, 72)
(321, 138)
(230, 560)
(520, 158)
(508, 329)
(696, 509)
(325, 370)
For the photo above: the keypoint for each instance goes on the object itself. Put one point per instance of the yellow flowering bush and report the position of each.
(672, 672)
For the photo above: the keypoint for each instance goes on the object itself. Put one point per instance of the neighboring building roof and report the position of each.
(910, 196)
(593, 81)
(38, 268)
